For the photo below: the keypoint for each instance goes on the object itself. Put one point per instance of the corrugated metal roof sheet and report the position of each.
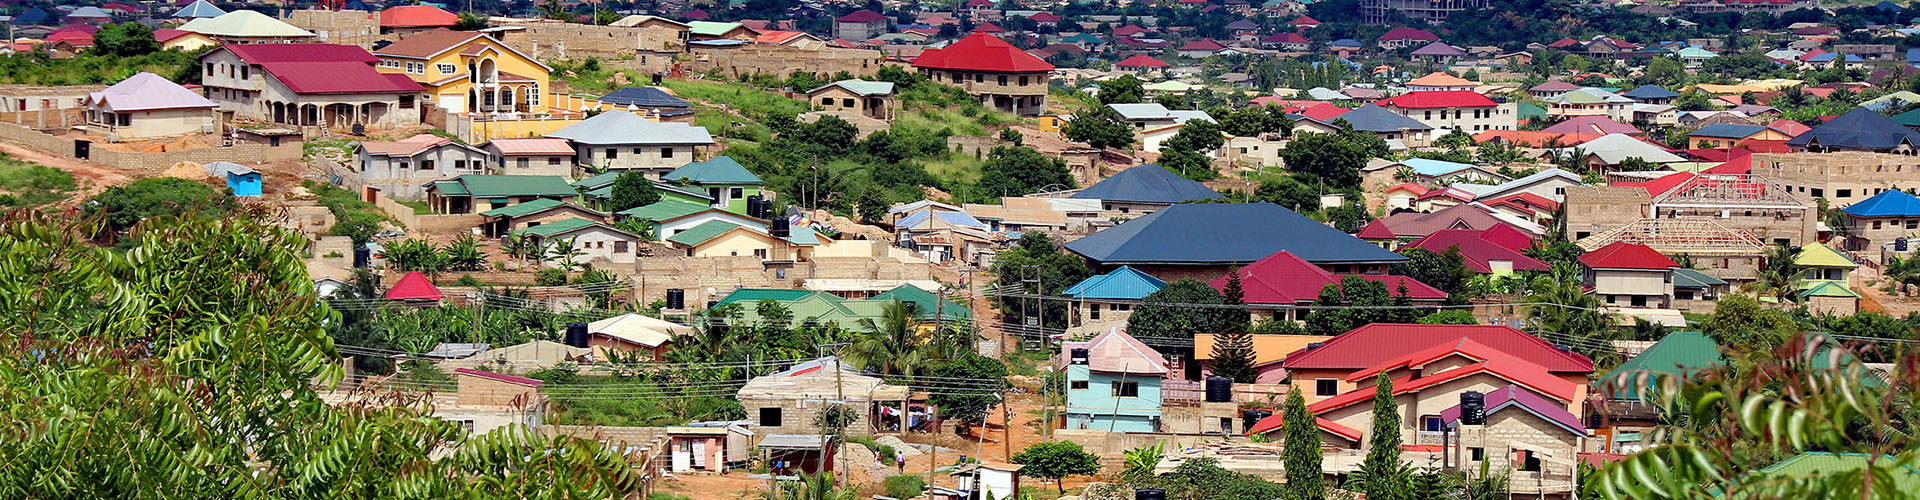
(1679, 353)
(1225, 233)
(1147, 184)
(1125, 283)
(148, 91)
(1889, 203)
(1369, 345)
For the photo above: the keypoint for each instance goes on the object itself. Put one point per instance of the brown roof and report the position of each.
(1023, 211)
(1462, 216)
(427, 44)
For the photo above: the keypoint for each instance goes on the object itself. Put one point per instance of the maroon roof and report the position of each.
(413, 286)
(1437, 99)
(981, 52)
(1044, 17)
(1404, 33)
(862, 16)
(1128, 30)
(989, 28)
(1477, 250)
(500, 377)
(1140, 61)
(1202, 44)
(1462, 216)
(1288, 37)
(1516, 397)
(1284, 278)
(1591, 124)
(1624, 255)
(1376, 343)
(323, 68)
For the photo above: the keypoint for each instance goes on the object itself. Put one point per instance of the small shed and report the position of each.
(243, 180)
(709, 446)
(988, 480)
(415, 289)
(632, 333)
(789, 454)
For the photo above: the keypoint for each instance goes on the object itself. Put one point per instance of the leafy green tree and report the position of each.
(188, 368)
(1564, 307)
(1204, 479)
(1372, 296)
(1100, 127)
(1302, 450)
(158, 196)
(1123, 90)
(125, 40)
(1056, 460)
(1199, 136)
(889, 345)
(1012, 136)
(1329, 157)
(464, 254)
(1020, 171)
(1349, 217)
(632, 189)
(968, 406)
(1383, 444)
(1447, 271)
(1740, 322)
(1188, 164)
(1288, 193)
(471, 21)
(1151, 319)
(1664, 72)
(1232, 355)
(1450, 317)
(1036, 257)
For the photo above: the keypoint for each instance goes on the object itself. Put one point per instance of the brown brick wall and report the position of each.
(482, 391)
(1592, 209)
(544, 40)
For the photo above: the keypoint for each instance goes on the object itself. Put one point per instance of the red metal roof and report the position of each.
(981, 52)
(323, 68)
(1478, 252)
(417, 16)
(165, 34)
(1128, 30)
(1464, 347)
(1325, 112)
(1285, 278)
(1375, 230)
(1304, 21)
(500, 377)
(861, 16)
(1624, 255)
(1372, 344)
(1203, 44)
(1276, 421)
(1404, 33)
(1140, 61)
(1288, 37)
(413, 286)
(1410, 187)
(1512, 369)
(1437, 99)
(989, 28)
(1044, 17)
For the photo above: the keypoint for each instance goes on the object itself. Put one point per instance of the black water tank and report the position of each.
(1473, 408)
(361, 254)
(577, 334)
(1253, 416)
(1900, 245)
(1219, 389)
(779, 227)
(676, 298)
(753, 206)
(911, 307)
(1149, 494)
(1077, 356)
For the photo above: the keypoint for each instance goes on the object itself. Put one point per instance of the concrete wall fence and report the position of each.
(131, 160)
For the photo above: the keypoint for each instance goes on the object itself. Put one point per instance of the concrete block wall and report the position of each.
(782, 60)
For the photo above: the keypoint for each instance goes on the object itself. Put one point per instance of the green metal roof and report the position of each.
(557, 227)
(495, 186)
(450, 188)
(1820, 463)
(523, 208)
(720, 170)
(664, 210)
(1529, 111)
(1679, 353)
(711, 28)
(597, 181)
(1828, 289)
(924, 302)
(1689, 278)
(705, 231)
(754, 295)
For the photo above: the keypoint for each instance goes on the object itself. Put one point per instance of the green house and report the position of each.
(1679, 354)
(597, 192)
(723, 180)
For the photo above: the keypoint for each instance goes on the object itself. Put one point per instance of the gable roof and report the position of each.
(1147, 184)
(714, 28)
(1140, 61)
(1113, 351)
(981, 52)
(1820, 255)
(147, 91)
(1689, 278)
(1462, 216)
(664, 210)
(861, 87)
(1679, 353)
(1287, 37)
(1889, 203)
(410, 146)
(244, 23)
(1554, 86)
(1369, 345)
(1276, 421)
(1513, 397)
(1510, 368)
(1283, 278)
(1405, 33)
(1650, 92)
(1434, 168)
(634, 328)
(1626, 255)
(524, 209)
(199, 8)
(1591, 124)
(706, 231)
(1373, 118)
(623, 127)
(1858, 129)
(413, 286)
(556, 228)
(531, 146)
(1430, 99)
(416, 16)
(861, 16)
(925, 302)
(1613, 148)
(506, 186)
(320, 68)
(1224, 233)
(1125, 283)
(1727, 131)
(1438, 48)
(719, 170)
(1478, 252)
(1202, 44)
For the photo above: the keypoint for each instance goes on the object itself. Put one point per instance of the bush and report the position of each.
(550, 277)
(907, 486)
(153, 197)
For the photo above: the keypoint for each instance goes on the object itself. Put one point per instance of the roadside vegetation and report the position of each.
(26, 185)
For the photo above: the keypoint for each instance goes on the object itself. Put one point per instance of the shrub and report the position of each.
(907, 486)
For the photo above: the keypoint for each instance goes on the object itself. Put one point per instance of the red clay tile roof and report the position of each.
(981, 52)
(417, 16)
(1140, 61)
(1624, 255)
(1284, 278)
(1276, 421)
(500, 377)
(1478, 252)
(1372, 344)
(861, 16)
(1437, 99)
(413, 286)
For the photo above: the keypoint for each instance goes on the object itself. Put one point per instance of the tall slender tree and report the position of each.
(1302, 450)
(1232, 356)
(1383, 446)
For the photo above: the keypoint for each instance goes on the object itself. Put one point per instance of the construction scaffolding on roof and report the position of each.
(1683, 236)
(1730, 191)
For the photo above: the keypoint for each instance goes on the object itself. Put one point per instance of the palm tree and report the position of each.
(890, 345)
(515, 246)
(1778, 278)
(566, 252)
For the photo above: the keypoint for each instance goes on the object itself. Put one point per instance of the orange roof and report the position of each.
(777, 37)
(1266, 348)
(1441, 79)
(1410, 187)
(1534, 138)
(1276, 421)
(417, 16)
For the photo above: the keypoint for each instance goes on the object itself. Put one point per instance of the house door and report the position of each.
(82, 149)
(700, 454)
(682, 456)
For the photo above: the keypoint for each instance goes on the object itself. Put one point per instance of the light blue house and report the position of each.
(242, 180)
(1110, 297)
(1113, 383)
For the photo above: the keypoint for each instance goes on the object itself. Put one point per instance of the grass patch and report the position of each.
(31, 184)
(614, 401)
(419, 207)
(353, 217)
(955, 167)
(338, 148)
(741, 98)
(886, 452)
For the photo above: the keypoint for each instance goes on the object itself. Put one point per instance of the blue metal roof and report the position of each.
(1373, 118)
(1225, 233)
(1649, 92)
(646, 97)
(1889, 203)
(1125, 283)
(1858, 129)
(1434, 168)
(1727, 131)
(32, 16)
(915, 220)
(1147, 184)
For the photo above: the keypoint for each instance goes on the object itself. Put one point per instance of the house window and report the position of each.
(619, 247)
(1023, 80)
(1913, 223)
(1843, 193)
(1529, 462)
(760, 253)
(1325, 387)
(736, 193)
(826, 101)
(404, 165)
(1094, 311)
(1430, 423)
(637, 151)
(1876, 224)
(613, 153)
(246, 72)
(426, 164)
(666, 152)
(446, 69)
(846, 103)
(1476, 453)
(406, 102)
(769, 417)
(209, 69)
(553, 160)
(1126, 389)
(522, 163)
(1639, 301)
(1078, 385)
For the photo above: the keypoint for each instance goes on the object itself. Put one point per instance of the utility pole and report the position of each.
(1006, 431)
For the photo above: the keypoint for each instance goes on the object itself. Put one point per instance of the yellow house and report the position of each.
(184, 41)
(469, 72)
(725, 239)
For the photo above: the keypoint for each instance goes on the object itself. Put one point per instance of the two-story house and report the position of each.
(469, 72)
(723, 179)
(621, 140)
(992, 70)
(400, 169)
(1113, 383)
(1825, 285)
(1453, 109)
(531, 156)
(1626, 274)
(860, 26)
(308, 84)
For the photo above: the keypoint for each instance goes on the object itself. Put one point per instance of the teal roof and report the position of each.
(497, 186)
(711, 28)
(523, 208)
(720, 170)
(802, 236)
(1529, 111)
(1679, 353)
(1688, 278)
(450, 188)
(1125, 283)
(705, 231)
(1829, 464)
(752, 295)
(664, 210)
(1828, 289)
(556, 227)
(597, 181)
(925, 303)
